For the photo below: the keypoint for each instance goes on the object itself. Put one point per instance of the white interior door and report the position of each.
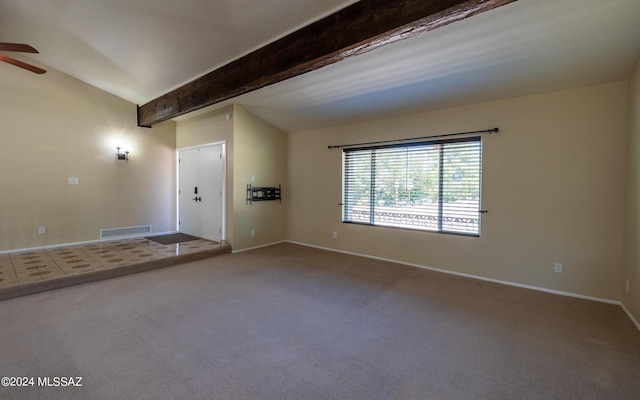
(187, 202)
(210, 194)
(201, 190)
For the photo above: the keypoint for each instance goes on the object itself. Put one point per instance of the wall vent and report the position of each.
(128, 231)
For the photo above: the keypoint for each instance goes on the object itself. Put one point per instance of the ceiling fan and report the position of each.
(22, 48)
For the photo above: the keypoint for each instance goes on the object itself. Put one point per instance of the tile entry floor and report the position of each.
(33, 266)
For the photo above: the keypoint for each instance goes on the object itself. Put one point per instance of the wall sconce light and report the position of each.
(122, 156)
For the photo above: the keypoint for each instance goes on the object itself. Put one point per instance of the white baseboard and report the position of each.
(55, 246)
(631, 317)
(482, 278)
(258, 247)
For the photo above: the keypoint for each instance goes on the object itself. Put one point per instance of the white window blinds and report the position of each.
(433, 186)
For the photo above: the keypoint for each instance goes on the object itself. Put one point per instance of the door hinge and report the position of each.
(221, 156)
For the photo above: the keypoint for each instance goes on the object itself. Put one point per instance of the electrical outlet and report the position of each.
(253, 233)
(335, 235)
(557, 267)
(42, 230)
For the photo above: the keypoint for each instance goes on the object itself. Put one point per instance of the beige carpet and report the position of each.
(290, 322)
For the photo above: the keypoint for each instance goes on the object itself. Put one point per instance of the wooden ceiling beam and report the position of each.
(356, 29)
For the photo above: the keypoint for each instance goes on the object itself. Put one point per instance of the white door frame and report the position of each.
(224, 183)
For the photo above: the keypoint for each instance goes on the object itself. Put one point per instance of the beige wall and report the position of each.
(261, 151)
(212, 127)
(631, 272)
(553, 182)
(55, 127)
(254, 148)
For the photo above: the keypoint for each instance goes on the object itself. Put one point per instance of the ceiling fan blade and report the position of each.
(23, 48)
(21, 64)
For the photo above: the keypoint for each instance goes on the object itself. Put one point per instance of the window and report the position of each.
(433, 186)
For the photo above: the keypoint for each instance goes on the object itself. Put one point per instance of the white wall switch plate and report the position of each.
(42, 230)
(73, 180)
(557, 267)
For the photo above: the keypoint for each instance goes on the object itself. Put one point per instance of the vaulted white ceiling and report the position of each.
(141, 49)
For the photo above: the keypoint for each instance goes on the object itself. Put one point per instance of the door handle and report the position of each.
(197, 198)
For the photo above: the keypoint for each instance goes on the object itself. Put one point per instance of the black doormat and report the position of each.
(172, 238)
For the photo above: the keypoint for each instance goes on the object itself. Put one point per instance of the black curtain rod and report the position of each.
(489, 131)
